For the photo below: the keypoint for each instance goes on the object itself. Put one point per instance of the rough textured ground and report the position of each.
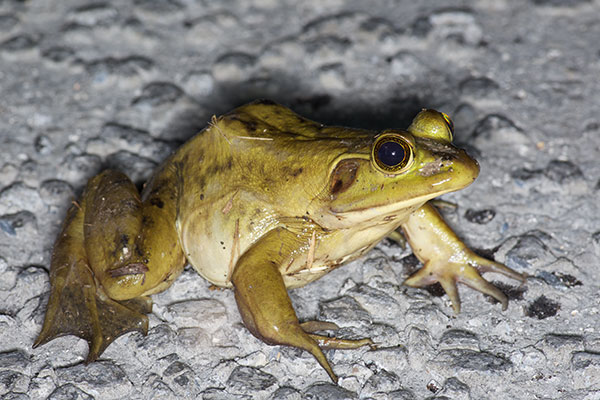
(90, 85)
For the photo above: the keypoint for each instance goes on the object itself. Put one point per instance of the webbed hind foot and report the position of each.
(77, 306)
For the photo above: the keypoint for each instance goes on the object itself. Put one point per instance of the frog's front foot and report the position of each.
(467, 271)
(448, 260)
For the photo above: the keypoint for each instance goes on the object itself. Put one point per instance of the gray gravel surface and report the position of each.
(116, 83)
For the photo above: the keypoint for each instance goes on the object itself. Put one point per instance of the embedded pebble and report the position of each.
(344, 311)
(562, 171)
(480, 216)
(233, 67)
(115, 137)
(322, 391)
(43, 144)
(16, 359)
(470, 360)
(529, 251)
(497, 133)
(12, 199)
(69, 391)
(125, 161)
(478, 87)
(103, 69)
(12, 224)
(58, 54)
(167, 112)
(55, 192)
(542, 308)
(388, 358)
(80, 167)
(197, 312)
(458, 25)
(249, 379)
(7, 22)
(383, 382)
(19, 43)
(158, 93)
(455, 389)
(199, 84)
(286, 393)
(458, 338)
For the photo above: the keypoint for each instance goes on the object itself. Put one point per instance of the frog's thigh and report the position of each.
(131, 246)
(77, 305)
(263, 300)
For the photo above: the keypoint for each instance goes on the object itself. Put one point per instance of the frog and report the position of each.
(261, 201)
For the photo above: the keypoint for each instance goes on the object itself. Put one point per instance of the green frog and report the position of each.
(261, 201)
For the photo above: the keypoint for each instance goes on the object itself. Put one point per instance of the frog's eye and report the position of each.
(449, 123)
(392, 153)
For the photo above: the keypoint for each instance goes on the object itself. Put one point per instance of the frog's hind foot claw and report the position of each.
(77, 307)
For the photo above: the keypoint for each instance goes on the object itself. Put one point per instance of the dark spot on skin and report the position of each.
(229, 163)
(249, 125)
(139, 251)
(147, 221)
(129, 204)
(201, 196)
(343, 176)
(297, 172)
(201, 181)
(124, 240)
(157, 202)
(129, 269)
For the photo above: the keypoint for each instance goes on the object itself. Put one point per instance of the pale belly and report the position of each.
(214, 246)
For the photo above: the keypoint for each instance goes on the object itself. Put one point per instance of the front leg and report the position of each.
(264, 303)
(448, 260)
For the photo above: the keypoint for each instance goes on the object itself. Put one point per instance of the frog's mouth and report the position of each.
(381, 212)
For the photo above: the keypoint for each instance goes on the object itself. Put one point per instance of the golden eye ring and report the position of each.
(392, 153)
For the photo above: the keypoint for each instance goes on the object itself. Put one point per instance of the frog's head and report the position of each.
(394, 173)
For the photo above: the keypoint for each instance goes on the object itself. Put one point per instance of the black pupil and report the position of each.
(390, 153)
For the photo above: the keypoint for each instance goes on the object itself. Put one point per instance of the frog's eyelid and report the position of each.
(450, 124)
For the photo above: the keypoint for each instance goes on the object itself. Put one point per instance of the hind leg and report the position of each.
(103, 266)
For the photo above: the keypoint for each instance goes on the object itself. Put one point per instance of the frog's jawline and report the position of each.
(384, 210)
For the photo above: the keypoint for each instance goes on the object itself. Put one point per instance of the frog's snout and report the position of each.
(465, 167)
